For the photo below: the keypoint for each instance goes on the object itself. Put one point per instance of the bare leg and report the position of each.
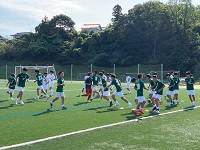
(63, 100)
(114, 98)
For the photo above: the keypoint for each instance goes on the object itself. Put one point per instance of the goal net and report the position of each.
(31, 70)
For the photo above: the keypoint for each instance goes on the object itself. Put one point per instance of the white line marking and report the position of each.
(92, 129)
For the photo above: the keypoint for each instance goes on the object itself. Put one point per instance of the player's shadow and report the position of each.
(80, 103)
(46, 112)
(6, 107)
(189, 108)
(170, 107)
(106, 111)
(2, 101)
(95, 109)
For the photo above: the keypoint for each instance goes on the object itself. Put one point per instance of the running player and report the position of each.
(21, 79)
(59, 90)
(51, 77)
(106, 92)
(39, 80)
(88, 85)
(150, 87)
(109, 79)
(85, 78)
(95, 79)
(170, 91)
(159, 92)
(12, 84)
(128, 83)
(45, 82)
(101, 86)
(118, 92)
(176, 87)
(190, 87)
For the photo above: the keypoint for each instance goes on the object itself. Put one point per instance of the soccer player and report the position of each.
(128, 83)
(88, 85)
(118, 92)
(176, 87)
(159, 92)
(101, 86)
(21, 80)
(45, 82)
(95, 79)
(108, 75)
(39, 80)
(59, 90)
(106, 92)
(12, 84)
(170, 91)
(85, 78)
(140, 96)
(190, 87)
(51, 77)
(150, 87)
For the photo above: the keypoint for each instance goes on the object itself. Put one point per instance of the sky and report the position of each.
(25, 15)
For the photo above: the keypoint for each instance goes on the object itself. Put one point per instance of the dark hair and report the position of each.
(155, 73)
(95, 71)
(25, 69)
(12, 75)
(108, 74)
(100, 73)
(155, 76)
(103, 71)
(113, 75)
(45, 73)
(89, 73)
(188, 72)
(175, 73)
(168, 74)
(133, 79)
(172, 71)
(51, 71)
(139, 76)
(126, 74)
(37, 70)
(148, 76)
(60, 72)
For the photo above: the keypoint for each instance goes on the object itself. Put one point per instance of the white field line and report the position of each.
(92, 129)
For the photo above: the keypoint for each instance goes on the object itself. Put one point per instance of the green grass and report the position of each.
(35, 120)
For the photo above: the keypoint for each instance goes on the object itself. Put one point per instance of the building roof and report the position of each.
(103, 28)
(89, 26)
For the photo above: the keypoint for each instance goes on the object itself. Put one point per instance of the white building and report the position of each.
(91, 27)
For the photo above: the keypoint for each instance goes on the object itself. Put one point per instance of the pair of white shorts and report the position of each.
(128, 85)
(45, 87)
(40, 87)
(84, 86)
(95, 88)
(10, 90)
(175, 92)
(140, 99)
(190, 92)
(112, 86)
(171, 93)
(151, 92)
(51, 83)
(157, 96)
(60, 94)
(21, 89)
(120, 94)
(106, 93)
(101, 87)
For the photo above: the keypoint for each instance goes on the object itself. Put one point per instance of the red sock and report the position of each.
(89, 97)
(84, 95)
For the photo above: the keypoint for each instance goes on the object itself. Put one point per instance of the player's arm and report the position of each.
(61, 84)
(120, 83)
(192, 82)
(7, 83)
(161, 88)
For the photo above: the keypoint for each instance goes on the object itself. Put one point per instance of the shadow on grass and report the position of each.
(80, 103)
(46, 112)
(188, 108)
(6, 107)
(1, 101)
(108, 110)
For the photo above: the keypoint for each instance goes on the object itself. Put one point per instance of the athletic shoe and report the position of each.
(21, 102)
(41, 95)
(37, 98)
(158, 110)
(116, 104)
(51, 104)
(12, 99)
(16, 101)
(171, 104)
(154, 108)
(111, 103)
(193, 104)
(177, 102)
(129, 105)
(141, 111)
(64, 108)
(88, 101)
(136, 112)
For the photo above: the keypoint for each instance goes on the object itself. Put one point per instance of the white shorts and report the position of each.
(95, 88)
(51, 83)
(171, 93)
(190, 92)
(40, 87)
(120, 94)
(151, 92)
(84, 86)
(21, 89)
(10, 90)
(60, 94)
(45, 87)
(101, 87)
(111, 86)
(140, 99)
(106, 93)
(175, 92)
(157, 96)
(128, 85)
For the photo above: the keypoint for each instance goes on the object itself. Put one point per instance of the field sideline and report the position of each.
(35, 120)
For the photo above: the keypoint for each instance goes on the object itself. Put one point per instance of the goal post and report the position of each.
(31, 70)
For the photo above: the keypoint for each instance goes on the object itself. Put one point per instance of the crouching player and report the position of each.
(106, 92)
(60, 91)
(12, 84)
(159, 92)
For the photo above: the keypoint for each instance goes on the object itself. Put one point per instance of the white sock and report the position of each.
(51, 92)
(116, 102)
(63, 105)
(21, 101)
(157, 107)
(109, 100)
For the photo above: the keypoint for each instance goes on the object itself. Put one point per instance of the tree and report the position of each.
(117, 13)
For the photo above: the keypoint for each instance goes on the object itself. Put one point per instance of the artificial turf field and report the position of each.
(35, 121)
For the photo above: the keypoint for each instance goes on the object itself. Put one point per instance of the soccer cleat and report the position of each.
(88, 101)
(171, 104)
(64, 108)
(12, 99)
(116, 104)
(141, 111)
(158, 110)
(136, 112)
(16, 101)
(154, 108)
(129, 105)
(37, 98)
(21, 102)
(193, 104)
(51, 104)
(111, 103)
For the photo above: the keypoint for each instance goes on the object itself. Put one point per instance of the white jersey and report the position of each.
(110, 79)
(104, 77)
(51, 77)
(171, 76)
(46, 80)
(128, 79)
(86, 77)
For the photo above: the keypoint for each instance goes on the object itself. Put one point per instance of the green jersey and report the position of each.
(39, 78)
(176, 82)
(104, 83)
(116, 83)
(22, 79)
(60, 88)
(12, 83)
(95, 79)
(152, 83)
(140, 87)
(171, 82)
(188, 85)
(159, 85)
